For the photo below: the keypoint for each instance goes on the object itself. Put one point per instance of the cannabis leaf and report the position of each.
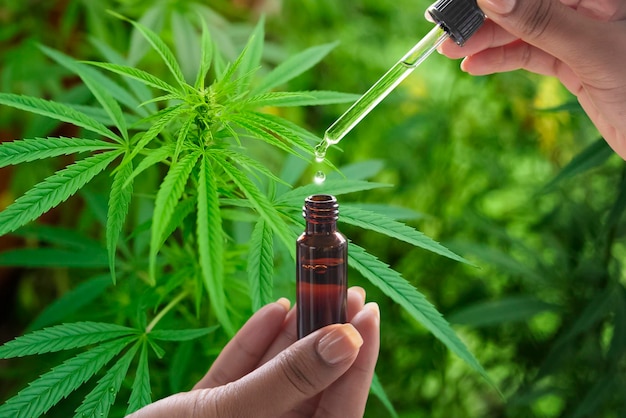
(52, 191)
(403, 293)
(140, 394)
(43, 393)
(211, 242)
(382, 224)
(62, 337)
(98, 402)
(261, 265)
(57, 111)
(119, 201)
(31, 149)
(166, 200)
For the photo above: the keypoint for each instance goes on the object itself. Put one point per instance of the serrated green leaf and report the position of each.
(58, 112)
(506, 310)
(158, 350)
(162, 49)
(62, 237)
(53, 190)
(182, 210)
(140, 394)
(62, 337)
(167, 198)
(387, 226)
(251, 61)
(99, 86)
(259, 132)
(181, 334)
(591, 157)
(275, 125)
(295, 198)
(186, 44)
(206, 56)
(137, 74)
(182, 137)
(261, 266)
(251, 164)
(402, 292)
(99, 114)
(154, 18)
(181, 365)
(300, 98)
(501, 259)
(262, 205)
(153, 157)
(97, 403)
(71, 301)
(119, 202)
(163, 118)
(141, 92)
(54, 257)
(211, 242)
(379, 391)
(58, 383)
(31, 149)
(294, 66)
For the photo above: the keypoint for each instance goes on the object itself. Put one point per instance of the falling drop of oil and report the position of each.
(319, 177)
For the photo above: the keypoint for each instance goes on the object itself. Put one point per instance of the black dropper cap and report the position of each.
(459, 18)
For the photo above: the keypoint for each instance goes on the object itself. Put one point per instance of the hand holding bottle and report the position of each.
(582, 42)
(264, 372)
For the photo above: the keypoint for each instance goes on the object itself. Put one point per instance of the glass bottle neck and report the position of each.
(321, 213)
(313, 227)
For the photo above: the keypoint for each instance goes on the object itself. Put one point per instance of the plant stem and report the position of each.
(165, 310)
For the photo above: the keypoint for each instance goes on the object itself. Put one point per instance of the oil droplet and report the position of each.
(320, 151)
(319, 177)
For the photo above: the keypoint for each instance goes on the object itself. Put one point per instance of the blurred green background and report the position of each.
(506, 170)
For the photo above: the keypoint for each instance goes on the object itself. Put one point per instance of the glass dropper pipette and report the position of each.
(457, 19)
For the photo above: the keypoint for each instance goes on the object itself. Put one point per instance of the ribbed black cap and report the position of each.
(459, 18)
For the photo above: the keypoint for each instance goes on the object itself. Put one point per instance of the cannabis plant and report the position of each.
(216, 214)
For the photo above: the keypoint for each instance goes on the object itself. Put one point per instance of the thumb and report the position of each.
(295, 375)
(547, 24)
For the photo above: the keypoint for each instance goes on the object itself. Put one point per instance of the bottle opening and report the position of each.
(320, 208)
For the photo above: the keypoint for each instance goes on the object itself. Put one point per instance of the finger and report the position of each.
(347, 396)
(520, 55)
(547, 24)
(300, 372)
(288, 335)
(601, 9)
(490, 35)
(242, 354)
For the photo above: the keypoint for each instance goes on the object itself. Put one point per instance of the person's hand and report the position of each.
(264, 372)
(582, 42)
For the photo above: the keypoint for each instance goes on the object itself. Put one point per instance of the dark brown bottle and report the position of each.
(321, 274)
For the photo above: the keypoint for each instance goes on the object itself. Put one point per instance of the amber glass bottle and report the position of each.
(321, 274)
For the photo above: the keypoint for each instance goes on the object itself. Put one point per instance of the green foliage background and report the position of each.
(505, 170)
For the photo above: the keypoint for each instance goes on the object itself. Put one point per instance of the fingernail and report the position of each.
(499, 6)
(284, 302)
(359, 290)
(428, 16)
(340, 344)
(373, 306)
